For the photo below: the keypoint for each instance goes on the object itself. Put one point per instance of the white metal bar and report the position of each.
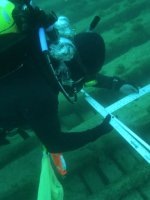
(130, 139)
(124, 101)
(147, 146)
(135, 141)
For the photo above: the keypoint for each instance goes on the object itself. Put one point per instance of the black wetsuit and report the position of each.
(28, 100)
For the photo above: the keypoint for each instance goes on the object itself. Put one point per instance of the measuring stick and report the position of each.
(135, 141)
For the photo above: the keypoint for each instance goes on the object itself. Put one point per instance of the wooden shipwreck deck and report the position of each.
(108, 169)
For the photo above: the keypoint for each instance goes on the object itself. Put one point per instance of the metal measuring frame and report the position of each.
(132, 138)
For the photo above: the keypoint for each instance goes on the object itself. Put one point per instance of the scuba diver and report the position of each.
(41, 56)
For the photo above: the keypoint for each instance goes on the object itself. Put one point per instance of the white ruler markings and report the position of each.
(134, 140)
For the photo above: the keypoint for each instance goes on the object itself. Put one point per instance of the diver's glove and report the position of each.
(100, 130)
(129, 89)
(124, 87)
(105, 125)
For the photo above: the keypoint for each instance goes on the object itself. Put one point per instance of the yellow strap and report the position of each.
(91, 83)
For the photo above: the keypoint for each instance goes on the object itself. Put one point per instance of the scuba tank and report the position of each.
(11, 51)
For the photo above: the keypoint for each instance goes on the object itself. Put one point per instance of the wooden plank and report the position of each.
(133, 195)
(93, 180)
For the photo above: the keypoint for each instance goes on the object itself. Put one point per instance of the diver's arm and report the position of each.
(116, 84)
(49, 132)
(103, 81)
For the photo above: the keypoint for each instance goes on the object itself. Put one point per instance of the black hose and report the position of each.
(94, 23)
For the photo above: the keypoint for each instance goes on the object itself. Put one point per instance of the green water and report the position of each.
(114, 169)
(108, 169)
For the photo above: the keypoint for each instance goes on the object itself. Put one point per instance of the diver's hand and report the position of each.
(128, 89)
(123, 86)
(105, 125)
